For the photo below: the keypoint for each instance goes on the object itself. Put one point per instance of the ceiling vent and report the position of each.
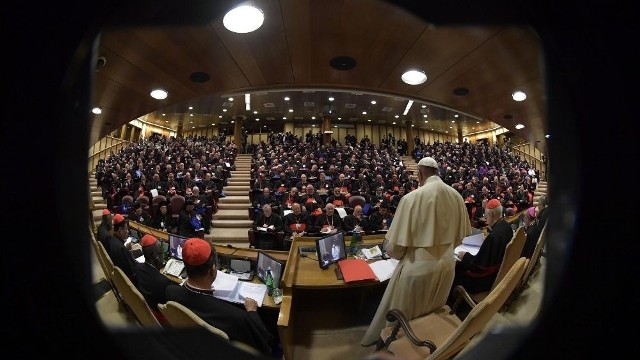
(269, 105)
(227, 104)
(349, 106)
(387, 109)
(309, 104)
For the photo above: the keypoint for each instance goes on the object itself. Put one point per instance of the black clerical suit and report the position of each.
(152, 284)
(267, 239)
(350, 222)
(240, 325)
(323, 221)
(121, 257)
(477, 273)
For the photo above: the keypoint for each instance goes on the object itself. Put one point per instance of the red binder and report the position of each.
(356, 270)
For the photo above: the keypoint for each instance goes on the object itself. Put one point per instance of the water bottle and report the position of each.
(354, 242)
(269, 281)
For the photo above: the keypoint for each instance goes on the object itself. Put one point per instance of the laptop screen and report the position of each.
(175, 245)
(265, 262)
(330, 249)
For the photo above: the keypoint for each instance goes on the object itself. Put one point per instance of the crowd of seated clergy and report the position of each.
(195, 168)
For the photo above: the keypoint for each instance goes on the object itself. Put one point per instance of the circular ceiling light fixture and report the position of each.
(96, 110)
(519, 126)
(519, 95)
(243, 19)
(159, 94)
(414, 77)
(343, 63)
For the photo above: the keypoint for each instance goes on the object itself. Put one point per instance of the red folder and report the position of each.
(356, 270)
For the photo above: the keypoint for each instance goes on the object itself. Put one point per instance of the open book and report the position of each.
(227, 287)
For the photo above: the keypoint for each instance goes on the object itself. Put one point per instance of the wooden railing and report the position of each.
(103, 148)
(532, 155)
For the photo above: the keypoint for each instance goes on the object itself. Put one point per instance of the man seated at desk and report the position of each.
(296, 223)
(201, 265)
(266, 226)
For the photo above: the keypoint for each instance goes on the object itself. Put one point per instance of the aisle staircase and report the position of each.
(230, 224)
(97, 202)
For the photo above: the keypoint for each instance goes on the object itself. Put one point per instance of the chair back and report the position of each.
(511, 254)
(158, 199)
(356, 200)
(535, 258)
(179, 316)
(176, 203)
(108, 263)
(133, 299)
(481, 314)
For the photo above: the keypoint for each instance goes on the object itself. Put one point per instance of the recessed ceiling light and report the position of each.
(233, 121)
(255, 112)
(364, 113)
(230, 99)
(159, 94)
(519, 95)
(394, 123)
(424, 116)
(190, 114)
(369, 120)
(313, 118)
(243, 19)
(220, 116)
(397, 116)
(424, 106)
(519, 126)
(547, 136)
(426, 121)
(373, 102)
(338, 118)
(96, 110)
(414, 77)
(456, 115)
(286, 98)
(290, 110)
(284, 118)
(224, 110)
(331, 98)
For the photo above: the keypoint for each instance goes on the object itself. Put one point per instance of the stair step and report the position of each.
(97, 215)
(228, 235)
(238, 173)
(232, 223)
(245, 188)
(232, 214)
(234, 199)
(236, 192)
(238, 181)
(234, 206)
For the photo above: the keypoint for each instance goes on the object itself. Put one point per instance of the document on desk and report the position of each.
(384, 268)
(470, 244)
(228, 288)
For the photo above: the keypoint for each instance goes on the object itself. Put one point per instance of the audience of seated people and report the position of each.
(168, 165)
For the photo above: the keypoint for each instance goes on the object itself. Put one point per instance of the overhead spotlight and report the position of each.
(230, 99)
(96, 110)
(519, 126)
(414, 77)
(159, 94)
(224, 110)
(519, 95)
(331, 98)
(547, 136)
(373, 102)
(243, 19)
(286, 98)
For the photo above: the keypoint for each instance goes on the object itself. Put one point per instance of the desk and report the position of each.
(324, 301)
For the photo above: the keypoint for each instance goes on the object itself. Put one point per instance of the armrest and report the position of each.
(402, 321)
(461, 294)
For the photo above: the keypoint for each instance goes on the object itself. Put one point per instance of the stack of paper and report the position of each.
(470, 244)
(384, 268)
(227, 287)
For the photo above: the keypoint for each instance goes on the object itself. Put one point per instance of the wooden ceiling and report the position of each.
(290, 55)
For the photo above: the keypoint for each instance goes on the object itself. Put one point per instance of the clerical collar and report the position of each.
(198, 290)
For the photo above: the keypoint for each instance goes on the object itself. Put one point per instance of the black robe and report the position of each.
(240, 325)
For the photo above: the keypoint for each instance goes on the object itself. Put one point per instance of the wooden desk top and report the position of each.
(309, 275)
